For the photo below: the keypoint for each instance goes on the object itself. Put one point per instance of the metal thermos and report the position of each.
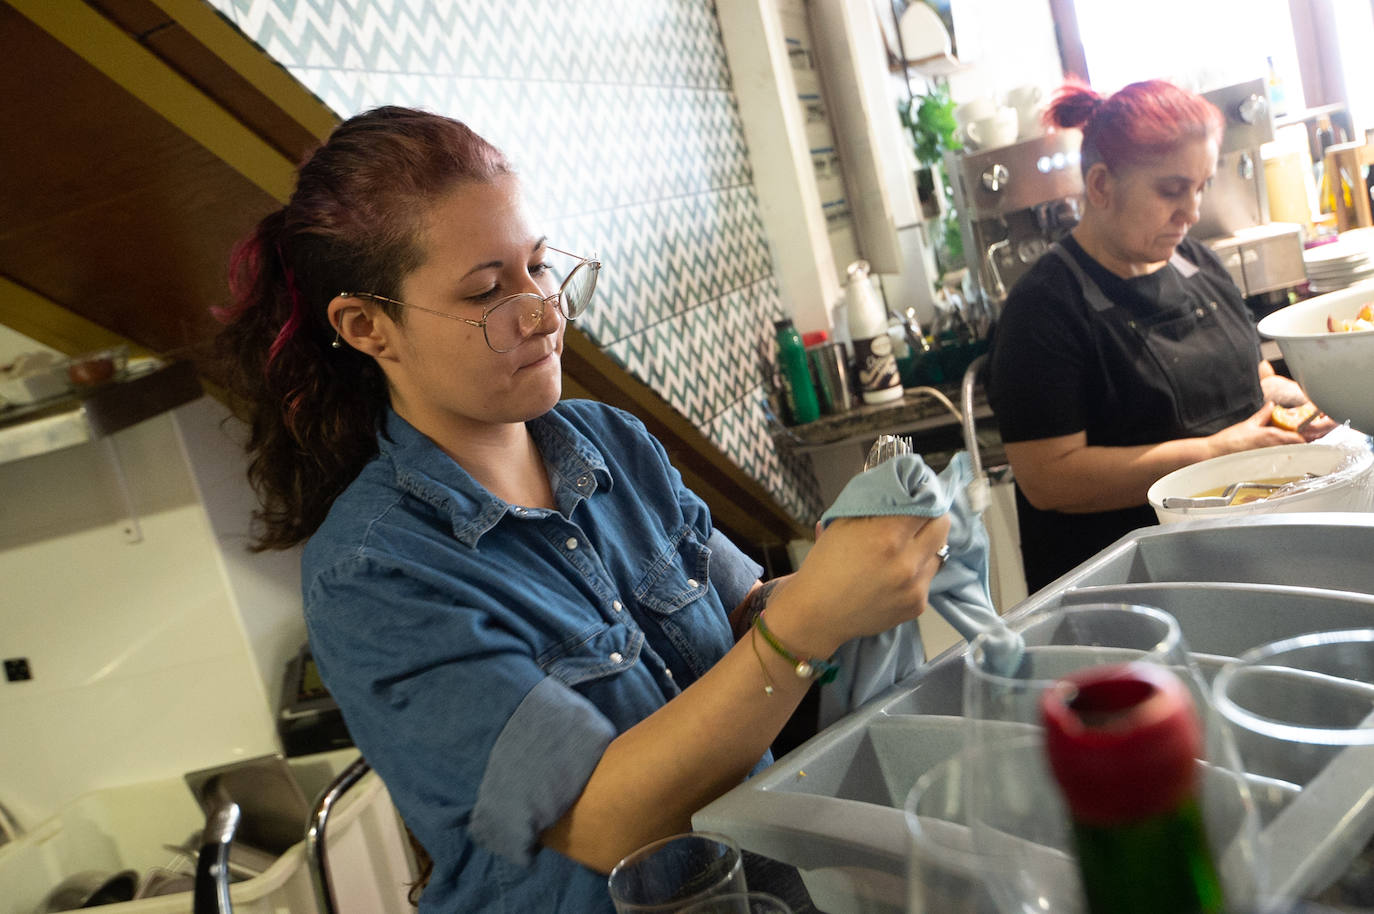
(830, 366)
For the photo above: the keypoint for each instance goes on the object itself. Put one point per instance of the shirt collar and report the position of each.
(577, 470)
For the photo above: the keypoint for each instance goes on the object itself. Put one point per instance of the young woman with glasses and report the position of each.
(536, 635)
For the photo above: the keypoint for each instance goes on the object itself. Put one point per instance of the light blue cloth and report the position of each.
(959, 592)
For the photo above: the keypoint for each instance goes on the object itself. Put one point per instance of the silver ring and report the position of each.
(942, 554)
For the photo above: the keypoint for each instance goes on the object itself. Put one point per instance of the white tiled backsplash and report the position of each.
(148, 659)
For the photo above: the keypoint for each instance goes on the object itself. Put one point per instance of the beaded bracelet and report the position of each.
(822, 671)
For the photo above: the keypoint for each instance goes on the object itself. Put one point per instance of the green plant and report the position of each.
(934, 132)
(932, 127)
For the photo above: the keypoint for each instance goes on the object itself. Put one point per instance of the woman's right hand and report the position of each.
(1254, 432)
(863, 576)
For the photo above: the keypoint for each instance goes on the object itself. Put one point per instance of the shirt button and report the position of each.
(616, 657)
(582, 482)
(617, 605)
(692, 583)
(518, 510)
(667, 672)
(571, 543)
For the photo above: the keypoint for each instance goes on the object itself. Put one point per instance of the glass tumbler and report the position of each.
(1007, 817)
(1302, 713)
(673, 873)
(947, 872)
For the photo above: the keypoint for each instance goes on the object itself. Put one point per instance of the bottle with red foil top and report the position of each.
(1124, 742)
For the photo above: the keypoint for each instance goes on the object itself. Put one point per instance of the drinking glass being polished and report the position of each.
(673, 873)
(515, 318)
(1302, 713)
(1001, 704)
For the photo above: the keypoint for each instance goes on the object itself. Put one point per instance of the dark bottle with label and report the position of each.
(874, 360)
(795, 373)
(1123, 743)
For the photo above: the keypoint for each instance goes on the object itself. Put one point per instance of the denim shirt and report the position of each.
(485, 654)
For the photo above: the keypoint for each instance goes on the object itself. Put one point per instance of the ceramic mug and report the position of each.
(998, 129)
(1026, 101)
(974, 109)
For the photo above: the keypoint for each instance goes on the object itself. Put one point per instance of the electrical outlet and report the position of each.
(17, 669)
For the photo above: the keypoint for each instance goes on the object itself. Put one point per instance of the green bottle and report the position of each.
(798, 390)
(1123, 743)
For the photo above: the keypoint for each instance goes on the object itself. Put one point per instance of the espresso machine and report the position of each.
(1013, 202)
(1264, 258)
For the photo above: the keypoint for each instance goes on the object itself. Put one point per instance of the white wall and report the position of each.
(1006, 43)
(149, 659)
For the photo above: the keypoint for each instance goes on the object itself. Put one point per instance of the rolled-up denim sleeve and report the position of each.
(527, 787)
(732, 573)
(455, 714)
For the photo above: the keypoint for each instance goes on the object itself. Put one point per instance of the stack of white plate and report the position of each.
(1344, 262)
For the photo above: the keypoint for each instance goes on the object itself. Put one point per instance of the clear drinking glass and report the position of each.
(1010, 820)
(947, 872)
(673, 873)
(1302, 714)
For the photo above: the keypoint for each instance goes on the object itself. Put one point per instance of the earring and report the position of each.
(336, 344)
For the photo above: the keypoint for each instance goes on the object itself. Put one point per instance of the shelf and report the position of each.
(75, 418)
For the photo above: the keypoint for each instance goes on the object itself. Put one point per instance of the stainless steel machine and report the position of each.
(1013, 201)
(1264, 258)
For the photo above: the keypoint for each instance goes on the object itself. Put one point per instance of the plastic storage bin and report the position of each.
(833, 806)
(129, 827)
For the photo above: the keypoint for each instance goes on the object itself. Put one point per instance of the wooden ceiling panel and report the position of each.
(110, 210)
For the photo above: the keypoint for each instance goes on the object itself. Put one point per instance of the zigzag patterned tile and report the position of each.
(743, 434)
(620, 117)
(631, 42)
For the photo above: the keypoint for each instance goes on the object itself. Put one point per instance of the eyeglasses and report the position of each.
(516, 318)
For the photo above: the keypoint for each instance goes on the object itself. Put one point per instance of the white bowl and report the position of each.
(1336, 369)
(1350, 489)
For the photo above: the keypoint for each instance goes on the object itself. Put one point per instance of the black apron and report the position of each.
(1199, 352)
(1203, 357)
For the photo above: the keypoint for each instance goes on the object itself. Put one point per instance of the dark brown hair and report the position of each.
(352, 224)
(1135, 124)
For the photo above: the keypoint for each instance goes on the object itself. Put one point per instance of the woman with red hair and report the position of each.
(1126, 351)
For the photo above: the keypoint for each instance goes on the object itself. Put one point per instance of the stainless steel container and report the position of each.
(830, 369)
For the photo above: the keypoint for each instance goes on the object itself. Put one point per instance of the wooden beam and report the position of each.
(44, 321)
(112, 51)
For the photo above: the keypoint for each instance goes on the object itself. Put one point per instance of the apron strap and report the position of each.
(1093, 292)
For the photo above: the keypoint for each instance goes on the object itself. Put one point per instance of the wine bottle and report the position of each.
(1123, 743)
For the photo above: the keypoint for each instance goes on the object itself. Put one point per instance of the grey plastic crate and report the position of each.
(833, 806)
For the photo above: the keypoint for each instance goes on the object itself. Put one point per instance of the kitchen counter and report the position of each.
(916, 413)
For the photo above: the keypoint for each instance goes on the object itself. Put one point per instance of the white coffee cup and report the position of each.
(1026, 101)
(999, 129)
(1024, 98)
(975, 109)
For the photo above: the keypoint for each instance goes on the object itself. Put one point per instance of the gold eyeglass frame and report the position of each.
(556, 297)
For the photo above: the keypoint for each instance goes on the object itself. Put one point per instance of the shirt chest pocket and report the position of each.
(597, 653)
(677, 576)
(675, 591)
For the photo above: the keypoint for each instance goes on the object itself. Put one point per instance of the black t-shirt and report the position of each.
(1135, 361)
